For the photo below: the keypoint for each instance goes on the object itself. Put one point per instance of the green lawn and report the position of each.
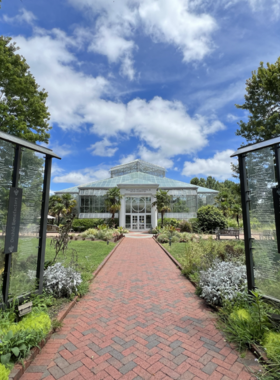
(90, 253)
(177, 250)
(24, 263)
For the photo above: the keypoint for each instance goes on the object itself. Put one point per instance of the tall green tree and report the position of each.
(23, 110)
(162, 202)
(263, 103)
(113, 200)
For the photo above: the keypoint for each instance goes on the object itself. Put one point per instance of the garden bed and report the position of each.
(90, 256)
(244, 319)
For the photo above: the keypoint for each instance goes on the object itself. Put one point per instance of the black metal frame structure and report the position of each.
(18, 145)
(241, 153)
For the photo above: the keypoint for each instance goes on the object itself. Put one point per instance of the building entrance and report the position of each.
(138, 213)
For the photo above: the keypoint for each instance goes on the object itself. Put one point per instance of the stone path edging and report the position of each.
(19, 369)
(169, 255)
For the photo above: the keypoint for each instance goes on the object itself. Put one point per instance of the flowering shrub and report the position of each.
(60, 281)
(223, 280)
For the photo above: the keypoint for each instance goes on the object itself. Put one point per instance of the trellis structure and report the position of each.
(25, 174)
(259, 166)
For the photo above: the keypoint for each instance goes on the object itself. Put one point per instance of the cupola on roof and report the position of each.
(137, 166)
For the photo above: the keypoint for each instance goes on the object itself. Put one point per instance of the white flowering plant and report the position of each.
(61, 281)
(224, 280)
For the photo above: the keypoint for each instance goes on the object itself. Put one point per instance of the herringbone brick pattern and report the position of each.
(141, 320)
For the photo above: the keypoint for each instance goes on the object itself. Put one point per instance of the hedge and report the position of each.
(85, 224)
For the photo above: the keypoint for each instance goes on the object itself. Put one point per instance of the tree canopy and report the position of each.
(113, 200)
(23, 110)
(162, 202)
(263, 103)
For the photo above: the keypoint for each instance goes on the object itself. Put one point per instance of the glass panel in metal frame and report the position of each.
(24, 263)
(148, 205)
(128, 221)
(261, 179)
(7, 153)
(135, 222)
(138, 166)
(141, 222)
(148, 221)
(128, 205)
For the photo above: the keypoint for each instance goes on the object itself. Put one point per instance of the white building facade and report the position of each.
(138, 182)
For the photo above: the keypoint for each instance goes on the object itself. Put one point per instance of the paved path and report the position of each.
(141, 320)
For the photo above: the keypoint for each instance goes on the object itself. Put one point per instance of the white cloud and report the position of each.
(127, 159)
(218, 166)
(231, 118)
(61, 150)
(175, 22)
(82, 176)
(53, 66)
(23, 16)
(76, 100)
(102, 148)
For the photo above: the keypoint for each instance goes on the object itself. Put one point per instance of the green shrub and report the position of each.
(272, 345)
(153, 231)
(85, 224)
(210, 218)
(169, 222)
(185, 226)
(163, 238)
(195, 225)
(4, 372)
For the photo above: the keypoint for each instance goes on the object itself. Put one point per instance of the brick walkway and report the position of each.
(141, 320)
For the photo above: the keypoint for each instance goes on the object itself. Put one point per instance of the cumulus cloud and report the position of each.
(24, 16)
(127, 159)
(231, 118)
(175, 22)
(61, 150)
(82, 176)
(218, 166)
(77, 100)
(102, 148)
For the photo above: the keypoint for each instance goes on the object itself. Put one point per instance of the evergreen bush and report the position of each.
(85, 224)
(210, 218)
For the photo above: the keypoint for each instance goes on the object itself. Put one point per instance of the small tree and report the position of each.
(113, 200)
(61, 205)
(162, 203)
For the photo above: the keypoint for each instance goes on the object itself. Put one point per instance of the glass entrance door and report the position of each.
(138, 222)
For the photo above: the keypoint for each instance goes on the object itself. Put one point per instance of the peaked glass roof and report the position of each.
(136, 178)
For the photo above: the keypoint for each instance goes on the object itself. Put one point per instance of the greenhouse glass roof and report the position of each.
(137, 178)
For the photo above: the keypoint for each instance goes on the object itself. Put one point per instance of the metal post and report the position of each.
(276, 199)
(245, 198)
(8, 257)
(43, 223)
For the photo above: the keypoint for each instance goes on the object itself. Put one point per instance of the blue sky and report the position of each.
(149, 79)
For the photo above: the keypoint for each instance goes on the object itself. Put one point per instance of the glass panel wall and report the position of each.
(206, 199)
(136, 205)
(24, 262)
(183, 203)
(93, 204)
(7, 153)
(261, 179)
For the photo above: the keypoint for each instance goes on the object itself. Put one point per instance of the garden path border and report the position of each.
(253, 348)
(19, 369)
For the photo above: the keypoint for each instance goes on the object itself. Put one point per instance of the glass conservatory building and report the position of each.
(138, 182)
